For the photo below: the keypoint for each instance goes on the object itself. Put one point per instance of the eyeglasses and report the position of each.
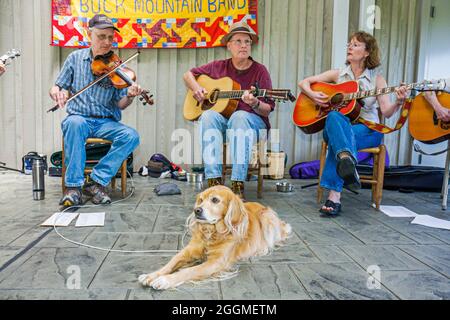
(103, 37)
(354, 45)
(239, 42)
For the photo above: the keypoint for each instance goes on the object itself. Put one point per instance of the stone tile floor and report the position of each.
(324, 259)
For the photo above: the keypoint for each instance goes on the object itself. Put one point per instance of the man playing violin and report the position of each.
(94, 113)
(2, 68)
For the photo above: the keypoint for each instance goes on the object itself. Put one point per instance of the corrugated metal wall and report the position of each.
(296, 40)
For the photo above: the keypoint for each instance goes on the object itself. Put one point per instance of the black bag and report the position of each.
(155, 169)
(409, 178)
(27, 161)
(94, 152)
(158, 164)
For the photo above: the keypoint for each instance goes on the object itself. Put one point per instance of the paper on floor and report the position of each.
(60, 219)
(92, 219)
(397, 212)
(429, 221)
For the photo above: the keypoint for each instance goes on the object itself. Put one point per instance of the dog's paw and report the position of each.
(146, 279)
(162, 283)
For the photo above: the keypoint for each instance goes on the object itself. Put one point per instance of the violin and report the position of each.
(110, 65)
(122, 77)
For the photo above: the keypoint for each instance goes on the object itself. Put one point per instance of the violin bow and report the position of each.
(95, 81)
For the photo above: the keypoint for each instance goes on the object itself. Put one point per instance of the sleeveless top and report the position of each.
(367, 81)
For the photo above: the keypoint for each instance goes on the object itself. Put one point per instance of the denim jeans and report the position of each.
(341, 136)
(242, 130)
(76, 129)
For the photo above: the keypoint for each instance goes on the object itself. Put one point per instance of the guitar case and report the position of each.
(94, 152)
(408, 178)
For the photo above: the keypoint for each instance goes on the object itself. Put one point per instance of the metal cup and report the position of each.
(38, 179)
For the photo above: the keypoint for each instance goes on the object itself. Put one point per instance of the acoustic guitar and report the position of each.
(343, 97)
(223, 96)
(423, 122)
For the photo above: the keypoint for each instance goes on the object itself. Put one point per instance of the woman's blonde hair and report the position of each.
(373, 60)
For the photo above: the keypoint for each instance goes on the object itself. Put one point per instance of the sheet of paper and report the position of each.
(397, 212)
(60, 219)
(429, 221)
(92, 219)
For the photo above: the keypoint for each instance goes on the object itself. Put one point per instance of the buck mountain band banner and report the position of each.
(152, 23)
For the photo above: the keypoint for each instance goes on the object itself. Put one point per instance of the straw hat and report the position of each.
(239, 27)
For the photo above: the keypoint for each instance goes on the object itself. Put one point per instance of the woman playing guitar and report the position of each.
(343, 137)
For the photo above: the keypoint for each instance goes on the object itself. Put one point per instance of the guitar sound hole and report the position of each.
(214, 96)
(211, 99)
(337, 100)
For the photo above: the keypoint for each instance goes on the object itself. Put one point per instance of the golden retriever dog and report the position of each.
(224, 230)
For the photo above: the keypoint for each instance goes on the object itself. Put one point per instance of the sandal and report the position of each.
(335, 208)
(346, 169)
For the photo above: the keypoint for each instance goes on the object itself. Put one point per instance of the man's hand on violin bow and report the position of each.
(59, 96)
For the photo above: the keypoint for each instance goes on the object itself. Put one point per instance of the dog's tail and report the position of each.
(275, 230)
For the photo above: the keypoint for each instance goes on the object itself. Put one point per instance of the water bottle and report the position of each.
(38, 179)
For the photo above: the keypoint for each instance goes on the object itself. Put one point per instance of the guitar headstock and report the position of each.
(433, 85)
(280, 95)
(11, 54)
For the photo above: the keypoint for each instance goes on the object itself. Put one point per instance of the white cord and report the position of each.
(106, 249)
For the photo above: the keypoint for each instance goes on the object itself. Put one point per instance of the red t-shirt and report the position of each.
(246, 78)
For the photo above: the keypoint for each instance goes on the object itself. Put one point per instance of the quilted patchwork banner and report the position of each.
(152, 23)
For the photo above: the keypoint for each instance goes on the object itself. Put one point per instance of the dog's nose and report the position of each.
(198, 211)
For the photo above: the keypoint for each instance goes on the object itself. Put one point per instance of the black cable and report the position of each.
(12, 169)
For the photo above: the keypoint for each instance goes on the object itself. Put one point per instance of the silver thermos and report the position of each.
(38, 179)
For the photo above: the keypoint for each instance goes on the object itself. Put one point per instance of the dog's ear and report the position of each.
(236, 218)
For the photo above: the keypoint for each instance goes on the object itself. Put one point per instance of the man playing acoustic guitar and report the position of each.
(251, 114)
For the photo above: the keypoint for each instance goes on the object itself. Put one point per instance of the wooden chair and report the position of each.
(376, 180)
(254, 166)
(122, 170)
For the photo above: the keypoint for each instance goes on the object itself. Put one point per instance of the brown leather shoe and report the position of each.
(238, 188)
(214, 182)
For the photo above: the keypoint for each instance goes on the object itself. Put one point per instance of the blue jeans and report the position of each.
(341, 136)
(76, 129)
(242, 130)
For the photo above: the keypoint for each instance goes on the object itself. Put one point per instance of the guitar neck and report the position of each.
(275, 94)
(375, 92)
(237, 94)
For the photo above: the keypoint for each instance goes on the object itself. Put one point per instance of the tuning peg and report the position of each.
(144, 103)
(140, 98)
